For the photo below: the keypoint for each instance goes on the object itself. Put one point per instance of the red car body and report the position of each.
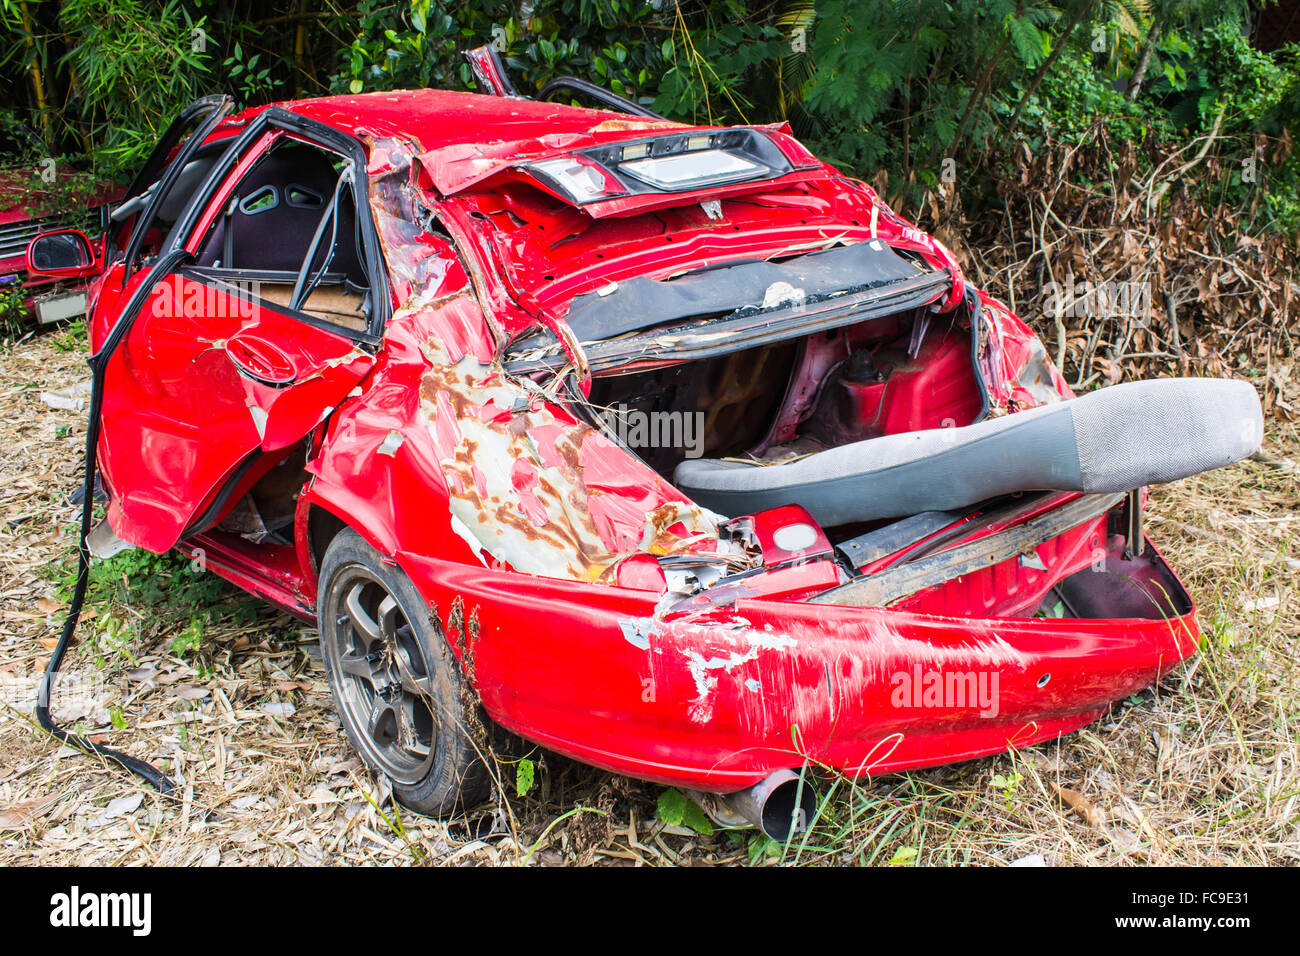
(543, 547)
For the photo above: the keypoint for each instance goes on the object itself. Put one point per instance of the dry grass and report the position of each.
(1200, 770)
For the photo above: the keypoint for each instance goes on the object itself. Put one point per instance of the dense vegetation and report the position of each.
(924, 90)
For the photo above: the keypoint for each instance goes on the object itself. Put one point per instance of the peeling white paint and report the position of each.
(637, 631)
(392, 441)
(704, 670)
(259, 419)
(356, 353)
(783, 293)
(468, 537)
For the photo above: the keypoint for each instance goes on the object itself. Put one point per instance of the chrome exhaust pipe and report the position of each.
(779, 805)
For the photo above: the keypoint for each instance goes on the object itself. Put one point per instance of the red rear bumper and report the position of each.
(719, 703)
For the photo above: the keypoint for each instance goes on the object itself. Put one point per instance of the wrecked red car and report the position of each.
(669, 448)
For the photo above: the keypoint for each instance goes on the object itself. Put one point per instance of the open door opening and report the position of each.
(231, 360)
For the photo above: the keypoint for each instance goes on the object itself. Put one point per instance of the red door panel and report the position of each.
(204, 381)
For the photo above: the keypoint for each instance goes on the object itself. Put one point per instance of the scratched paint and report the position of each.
(719, 650)
(540, 491)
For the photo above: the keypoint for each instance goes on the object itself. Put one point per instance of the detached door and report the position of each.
(227, 366)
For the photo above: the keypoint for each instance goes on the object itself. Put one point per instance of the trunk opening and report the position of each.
(773, 403)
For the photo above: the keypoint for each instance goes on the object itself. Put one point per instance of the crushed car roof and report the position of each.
(444, 118)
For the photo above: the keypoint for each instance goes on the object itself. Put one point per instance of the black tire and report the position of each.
(398, 689)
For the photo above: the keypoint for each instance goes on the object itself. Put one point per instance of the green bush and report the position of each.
(913, 88)
(134, 66)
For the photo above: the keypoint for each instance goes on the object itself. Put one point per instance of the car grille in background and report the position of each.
(14, 237)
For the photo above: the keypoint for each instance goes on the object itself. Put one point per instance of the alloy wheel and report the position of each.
(385, 685)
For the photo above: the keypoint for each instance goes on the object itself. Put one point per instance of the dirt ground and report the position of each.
(231, 699)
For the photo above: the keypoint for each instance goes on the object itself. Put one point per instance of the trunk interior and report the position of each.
(902, 373)
(781, 401)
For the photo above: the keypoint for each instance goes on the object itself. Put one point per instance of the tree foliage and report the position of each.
(908, 92)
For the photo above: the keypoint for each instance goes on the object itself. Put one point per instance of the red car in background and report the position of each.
(667, 447)
(32, 206)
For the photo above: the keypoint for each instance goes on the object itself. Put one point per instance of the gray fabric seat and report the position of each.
(1114, 439)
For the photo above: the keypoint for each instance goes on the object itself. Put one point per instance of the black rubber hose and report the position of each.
(139, 767)
(98, 363)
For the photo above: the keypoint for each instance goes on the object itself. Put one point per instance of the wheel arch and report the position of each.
(318, 520)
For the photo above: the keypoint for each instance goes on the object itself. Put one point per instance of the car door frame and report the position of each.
(326, 137)
(173, 257)
(158, 166)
